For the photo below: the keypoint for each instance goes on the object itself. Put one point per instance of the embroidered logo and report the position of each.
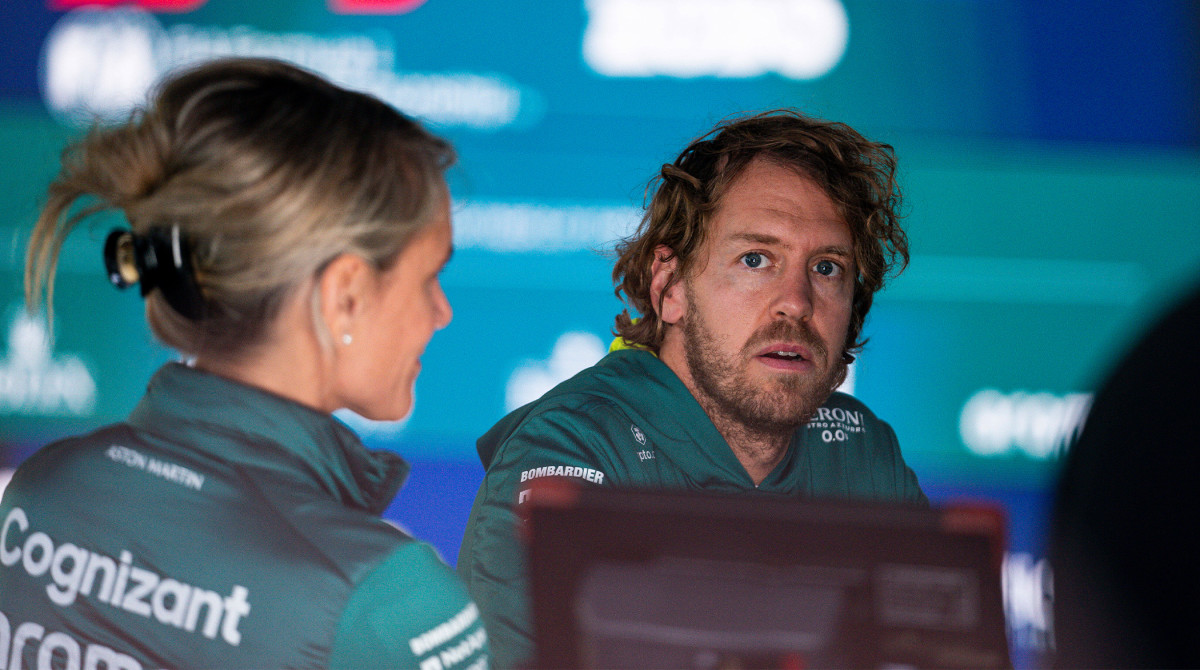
(638, 434)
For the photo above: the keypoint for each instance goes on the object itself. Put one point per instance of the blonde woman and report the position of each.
(287, 236)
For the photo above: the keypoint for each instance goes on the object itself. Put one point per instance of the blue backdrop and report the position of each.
(1048, 153)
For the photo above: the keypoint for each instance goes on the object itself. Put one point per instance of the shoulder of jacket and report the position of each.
(590, 406)
(405, 609)
(583, 413)
(107, 440)
(414, 564)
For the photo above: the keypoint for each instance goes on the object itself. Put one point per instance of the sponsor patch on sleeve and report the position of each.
(453, 643)
(587, 474)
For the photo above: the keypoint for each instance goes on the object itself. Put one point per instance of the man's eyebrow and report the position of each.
(762, 238)
(759, 238)
(835, 250)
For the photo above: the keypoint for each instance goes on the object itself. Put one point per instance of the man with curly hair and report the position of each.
(752, 271)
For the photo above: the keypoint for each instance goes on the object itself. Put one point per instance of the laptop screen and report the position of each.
(643, 579)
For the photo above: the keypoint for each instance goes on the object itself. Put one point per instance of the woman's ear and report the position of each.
(344, 286)
(666, 290)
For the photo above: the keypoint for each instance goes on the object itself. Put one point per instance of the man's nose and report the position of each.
(793, 296)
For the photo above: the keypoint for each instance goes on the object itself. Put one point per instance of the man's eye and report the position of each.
(754, 260)
(828, 268)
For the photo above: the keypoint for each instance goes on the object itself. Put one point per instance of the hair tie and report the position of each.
(161, 259)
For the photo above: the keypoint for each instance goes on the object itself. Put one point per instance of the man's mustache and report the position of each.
(794, 332)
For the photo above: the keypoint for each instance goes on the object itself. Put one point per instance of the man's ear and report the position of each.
(344, 286)
(666, 289)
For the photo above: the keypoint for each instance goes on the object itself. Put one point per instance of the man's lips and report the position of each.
(786, 356)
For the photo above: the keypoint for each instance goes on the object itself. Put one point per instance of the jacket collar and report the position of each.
(249, 428)
(662, 400)
(667, 404)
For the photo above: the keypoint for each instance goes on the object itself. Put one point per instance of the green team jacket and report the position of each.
(221, 526)
(630, 421)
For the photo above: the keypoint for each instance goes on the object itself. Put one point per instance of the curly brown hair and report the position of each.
(858, 175)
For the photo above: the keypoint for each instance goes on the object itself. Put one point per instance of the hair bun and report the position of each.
(161, 259)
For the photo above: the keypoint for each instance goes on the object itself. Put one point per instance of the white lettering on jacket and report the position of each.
(75, 571)
(837, 424)
(78, 655)
(444, 632)
(172, 472)
(594, 476)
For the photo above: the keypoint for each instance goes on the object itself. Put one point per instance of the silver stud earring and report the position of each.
(346, 338)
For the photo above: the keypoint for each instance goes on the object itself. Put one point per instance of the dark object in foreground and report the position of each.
(641, 579)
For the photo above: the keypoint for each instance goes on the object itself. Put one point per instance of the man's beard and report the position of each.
(781, 405)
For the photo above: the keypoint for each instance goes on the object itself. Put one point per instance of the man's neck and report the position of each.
(758, 451)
